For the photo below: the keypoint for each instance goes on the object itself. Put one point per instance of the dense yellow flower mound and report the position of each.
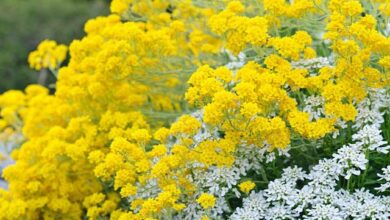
(95, 146)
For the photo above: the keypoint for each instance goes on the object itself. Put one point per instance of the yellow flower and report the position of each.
(247, 186)
(235, 6)
(128, 190)
(94, 199)
(352, 8)
(249, 109)
(186, 124)
(385, 61)
(120, 6)
(48, 55)
(205, 217)
(206, 200)
(161, 134)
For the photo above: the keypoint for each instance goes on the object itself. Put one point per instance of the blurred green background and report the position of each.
(25, 23)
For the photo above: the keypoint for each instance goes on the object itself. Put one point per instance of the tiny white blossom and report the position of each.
(314, 105)
(322, 211)
(315, 63)
(386, 177)
(351, 158)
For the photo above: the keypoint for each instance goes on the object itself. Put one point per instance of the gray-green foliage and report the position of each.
(24, 23)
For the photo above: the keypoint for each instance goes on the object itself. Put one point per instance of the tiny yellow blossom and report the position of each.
(186, 124)
(206, 200)
(48, 55)
(246, 186)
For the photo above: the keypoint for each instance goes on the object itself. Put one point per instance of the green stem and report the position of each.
(367, 153)
(263, 174)
(349, 184)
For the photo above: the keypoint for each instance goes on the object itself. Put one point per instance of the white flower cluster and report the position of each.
(318, 199)
(312, 64)
(387, 31)
(314, 105)
(352, 157)
(235, 62)
(386, 177)
(317, 194)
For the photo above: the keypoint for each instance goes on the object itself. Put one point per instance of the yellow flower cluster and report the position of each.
(247, 186)
(244, 109)
(254, 105)
(292, 47)
(293, 9)
(384, 7)
(48, 55)
(258, 94)
(86, 139)
(107, 64)
(120, 6)
(206, 200)
(15, 106)
(356, 42)
(239, 30)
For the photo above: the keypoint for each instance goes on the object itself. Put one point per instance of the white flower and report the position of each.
(244, 214)
(325, 173)
(370, 135)
(315, 63)
(270, 157)
(254, 207)
(301, 199)
(279, 190)
(280, 211)
(236, 62)
(321, 211)
(293, 174)
(314, 105)
(386, 177)
(341, 124)
(351, 158)
(192, 211)
(387, 31)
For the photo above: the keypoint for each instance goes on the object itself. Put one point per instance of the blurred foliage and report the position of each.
(24, 23)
